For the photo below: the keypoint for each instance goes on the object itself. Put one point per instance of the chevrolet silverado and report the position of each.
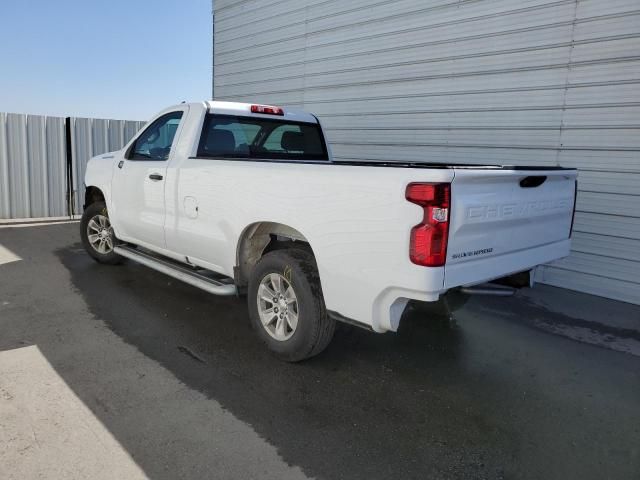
(247, 199)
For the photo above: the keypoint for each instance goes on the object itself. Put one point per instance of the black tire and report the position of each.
(315, 327)
(110, 258)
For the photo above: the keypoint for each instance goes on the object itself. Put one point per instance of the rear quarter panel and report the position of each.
(356, 219)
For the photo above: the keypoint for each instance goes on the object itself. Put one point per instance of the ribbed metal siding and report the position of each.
(32, 166)
(91, 137)
(503, 81)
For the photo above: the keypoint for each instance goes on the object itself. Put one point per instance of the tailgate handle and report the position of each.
(533, 181)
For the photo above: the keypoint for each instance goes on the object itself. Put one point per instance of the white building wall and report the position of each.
(536, 82)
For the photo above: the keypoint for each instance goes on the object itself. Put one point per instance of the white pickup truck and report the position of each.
(243, 199)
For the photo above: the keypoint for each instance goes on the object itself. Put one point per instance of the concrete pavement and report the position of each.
(77, 402)
(176, 385)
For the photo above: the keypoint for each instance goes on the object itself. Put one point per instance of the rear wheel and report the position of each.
(286, 305)
(97, 234)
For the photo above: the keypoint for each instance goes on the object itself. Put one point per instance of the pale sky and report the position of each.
(105, 59)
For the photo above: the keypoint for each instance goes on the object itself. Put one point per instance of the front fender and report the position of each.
(99, 174)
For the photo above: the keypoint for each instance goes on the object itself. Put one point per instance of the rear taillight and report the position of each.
(267, 110)
(428, 245)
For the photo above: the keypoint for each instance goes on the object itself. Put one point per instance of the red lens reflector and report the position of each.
(436, 194)
(267, 110)
(428, 241)
(421, 193)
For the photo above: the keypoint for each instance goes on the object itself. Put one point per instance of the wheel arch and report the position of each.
(259, 238)
(92, 194)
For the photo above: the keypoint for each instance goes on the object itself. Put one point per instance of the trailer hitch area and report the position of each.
(503, 287)
(448, 304)
(489, 289)
(444, 309)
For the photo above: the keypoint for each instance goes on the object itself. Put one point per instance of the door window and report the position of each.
(155, 142)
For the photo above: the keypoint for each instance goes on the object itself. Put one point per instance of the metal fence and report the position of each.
(91, 137)
(43, 160)
(33, 166)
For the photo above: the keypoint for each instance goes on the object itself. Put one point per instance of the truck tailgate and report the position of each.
(504, 221)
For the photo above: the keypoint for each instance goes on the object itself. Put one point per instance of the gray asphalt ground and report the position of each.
(173, 384)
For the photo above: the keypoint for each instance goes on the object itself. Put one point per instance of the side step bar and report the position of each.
(177, 271)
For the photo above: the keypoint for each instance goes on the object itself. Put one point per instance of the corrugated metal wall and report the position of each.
(32, 166)
(503, 81)
(91, 137)
(33, 163)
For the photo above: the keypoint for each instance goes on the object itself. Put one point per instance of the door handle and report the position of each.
(533, 181)
(156, 177)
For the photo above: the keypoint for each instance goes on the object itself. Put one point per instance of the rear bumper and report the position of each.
(390, 304)
(483, 270)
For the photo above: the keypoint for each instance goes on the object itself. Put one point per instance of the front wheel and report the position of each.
(97, 234)
(286, 305)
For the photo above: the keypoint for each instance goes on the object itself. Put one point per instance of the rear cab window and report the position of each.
(229, 136)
